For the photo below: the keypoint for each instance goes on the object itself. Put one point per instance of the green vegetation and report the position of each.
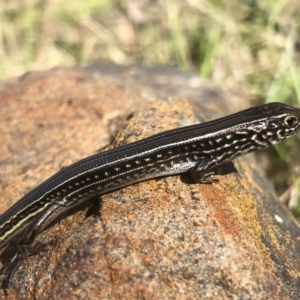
(249, 47)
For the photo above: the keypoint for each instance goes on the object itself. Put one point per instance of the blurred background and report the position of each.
(248, 47)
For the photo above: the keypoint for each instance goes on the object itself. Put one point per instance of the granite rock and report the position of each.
(159, 239)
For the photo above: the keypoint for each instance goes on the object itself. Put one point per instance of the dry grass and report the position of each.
(249, 47)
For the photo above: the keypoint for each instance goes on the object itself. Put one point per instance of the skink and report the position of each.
(197, 149)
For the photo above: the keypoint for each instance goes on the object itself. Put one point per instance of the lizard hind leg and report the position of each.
(23, 247)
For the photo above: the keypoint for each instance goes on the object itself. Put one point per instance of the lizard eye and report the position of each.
(290, 121)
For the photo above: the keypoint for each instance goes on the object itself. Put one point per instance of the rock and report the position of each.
(160, 239)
